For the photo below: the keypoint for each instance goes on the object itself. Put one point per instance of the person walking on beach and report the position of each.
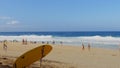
(53, 42)
(61, 43)
(89, 46)
(43, 42)
(5, 45)
(83, 47)
(23, 41)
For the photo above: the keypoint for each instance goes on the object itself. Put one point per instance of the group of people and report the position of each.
(52, 42)
(24, 42)
(83, 47)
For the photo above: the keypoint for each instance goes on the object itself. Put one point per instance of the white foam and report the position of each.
(106, 40)
(85, 39)
(28, 37)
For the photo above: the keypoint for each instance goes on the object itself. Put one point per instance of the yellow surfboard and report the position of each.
(31, 56)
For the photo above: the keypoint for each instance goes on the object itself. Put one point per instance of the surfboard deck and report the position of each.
(31, 56)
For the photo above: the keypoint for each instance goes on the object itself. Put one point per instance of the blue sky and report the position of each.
(59, 15)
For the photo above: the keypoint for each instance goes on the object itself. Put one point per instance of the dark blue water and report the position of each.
(65, 34)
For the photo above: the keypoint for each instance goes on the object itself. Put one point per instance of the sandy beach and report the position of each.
(82, 33)
(63, 56)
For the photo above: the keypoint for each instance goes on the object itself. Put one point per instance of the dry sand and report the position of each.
(63, 56)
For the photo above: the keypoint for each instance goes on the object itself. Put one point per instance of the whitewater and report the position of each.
(94, 41)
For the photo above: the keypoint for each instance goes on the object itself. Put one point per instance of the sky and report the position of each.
(59, 15)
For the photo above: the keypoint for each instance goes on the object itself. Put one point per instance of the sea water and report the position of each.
(103, 39)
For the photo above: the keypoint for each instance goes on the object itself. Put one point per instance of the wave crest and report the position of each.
(28, 37)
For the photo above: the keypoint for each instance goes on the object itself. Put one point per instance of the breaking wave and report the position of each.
(96, 41)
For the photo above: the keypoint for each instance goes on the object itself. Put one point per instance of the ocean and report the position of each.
(101, 39)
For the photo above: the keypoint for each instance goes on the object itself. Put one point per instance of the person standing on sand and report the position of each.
(61, 43)
(83, 46)
(5, 45)
(23, 41)
(53, 42)
(89, 46)
(43, 42)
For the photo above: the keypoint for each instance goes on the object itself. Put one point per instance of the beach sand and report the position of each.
(63, 56)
